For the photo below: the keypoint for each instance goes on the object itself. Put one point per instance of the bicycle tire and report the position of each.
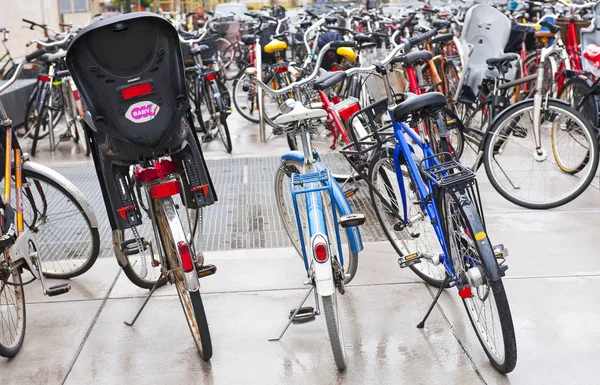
(191, 301)
(12, 349)
(288, 217)
(464, 243)
(334, 329)
(574, 90)
(554, 108)
(49, 243)
(224, 132)
(426, 270)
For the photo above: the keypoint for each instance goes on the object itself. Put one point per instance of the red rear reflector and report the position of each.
(465, 292)
(136, 91)
(321, 252)
(186, 257)
(163, 169)
(211, 76)
(281, 69)
(347, 112)
(76, 94)
(44, 78)
(164, 190)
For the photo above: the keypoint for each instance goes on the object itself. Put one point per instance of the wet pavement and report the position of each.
(552, 283)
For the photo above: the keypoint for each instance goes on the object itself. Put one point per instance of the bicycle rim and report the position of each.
(488, 307)
(532, 178)
(68, 245)
(12, 311)
(419, 235)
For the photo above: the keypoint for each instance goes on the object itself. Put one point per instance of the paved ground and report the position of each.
(553, 284)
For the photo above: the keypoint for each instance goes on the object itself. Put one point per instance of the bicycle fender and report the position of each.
(51, 174)
(339, 198)
(488, 259)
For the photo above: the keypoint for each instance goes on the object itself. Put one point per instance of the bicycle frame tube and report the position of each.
(424, 190)
(336, 127)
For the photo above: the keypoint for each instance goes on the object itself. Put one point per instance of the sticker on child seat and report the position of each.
(141, 112)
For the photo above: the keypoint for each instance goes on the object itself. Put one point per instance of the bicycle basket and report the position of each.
(374, 83)
(213, 46)
(129, 70)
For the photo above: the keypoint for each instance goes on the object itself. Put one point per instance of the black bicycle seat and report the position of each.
(442, 38)
(362, 38)
(495, 61)
(427, 103)
(331, 20)
(328, 79)
(199, 49)
(248, 39)
(370, 44)
(440, 24)
(413, 58)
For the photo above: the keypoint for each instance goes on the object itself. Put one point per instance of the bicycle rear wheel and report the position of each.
(12, 310)
(487, 307)
(68, 244)
(172, 235)
(285, 206)
(334, 329)
(541, 179)
(418, 236)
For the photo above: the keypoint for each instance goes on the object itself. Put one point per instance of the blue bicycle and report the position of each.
(429, 208)
(316, 216)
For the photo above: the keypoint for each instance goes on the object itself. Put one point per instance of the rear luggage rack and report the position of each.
(446, 172)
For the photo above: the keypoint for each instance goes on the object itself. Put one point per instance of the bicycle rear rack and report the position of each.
(446, 172)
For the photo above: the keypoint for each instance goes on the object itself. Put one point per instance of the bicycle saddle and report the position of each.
(299, 112)
(248, 39)
(331, 20)
(328, 79)
(441, 24)
(505, 59)
(199, 49)
(362, 38)
(427, 104)
(442, 38)
(413, 58)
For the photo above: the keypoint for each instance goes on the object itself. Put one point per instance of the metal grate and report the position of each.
(245, 217)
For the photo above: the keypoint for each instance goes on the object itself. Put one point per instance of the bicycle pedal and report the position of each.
(399, 226)
(350, 192)
(500, 251)
(58, 289)
(503, 269)
(409, 260)
(206, 270)
(64, 138)
(207, 138)
(304, 315)
(351, 220)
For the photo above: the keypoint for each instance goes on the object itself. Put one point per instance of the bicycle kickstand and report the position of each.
(293, 315)
(421, 325)
(154, 287)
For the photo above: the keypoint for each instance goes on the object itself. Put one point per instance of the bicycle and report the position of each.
(155, 164)
(204, 88)
(429, 208)
(312, 223)
(18, 240)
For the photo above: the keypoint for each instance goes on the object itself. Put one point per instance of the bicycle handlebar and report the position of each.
(52, 44)
(576, 6)
(35, 55)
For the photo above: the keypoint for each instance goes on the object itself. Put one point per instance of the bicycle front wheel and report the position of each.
(487, 306)
(68, 244)
(334, 329)
(285, 206)
(12, 311)
(541, 178)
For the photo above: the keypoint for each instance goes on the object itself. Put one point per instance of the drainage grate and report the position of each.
(246, 215)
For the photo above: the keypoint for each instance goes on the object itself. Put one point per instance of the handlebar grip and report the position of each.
(551, 27)
(309, 13)
(210, 13)
(35, 55)
(246, 84)
(342, 43)
(422, 37)
(406, 22)
(251, 15)
(61, 74)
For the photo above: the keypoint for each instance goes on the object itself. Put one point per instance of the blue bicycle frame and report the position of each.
(424, 189)
(313, 186)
